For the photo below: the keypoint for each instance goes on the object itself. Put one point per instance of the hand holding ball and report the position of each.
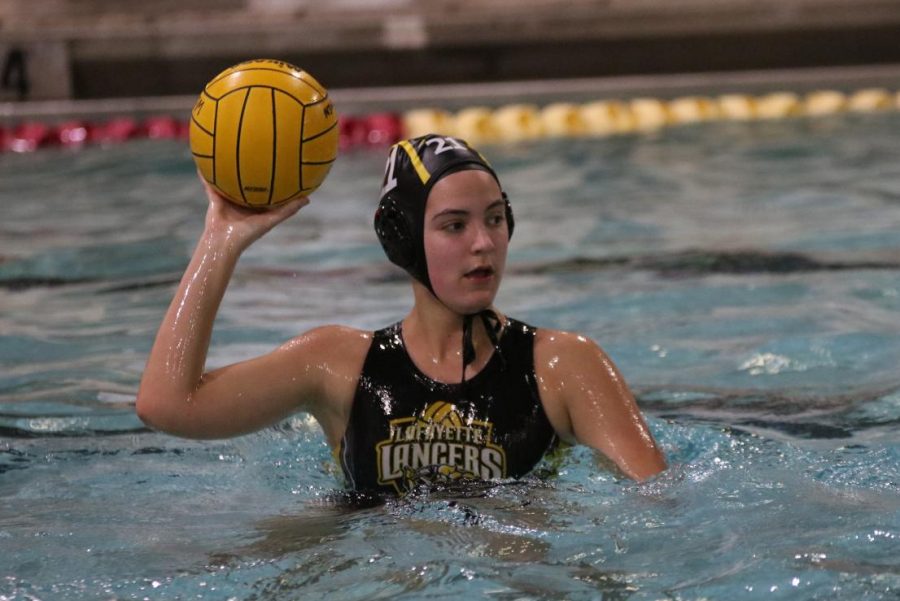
(264, 132)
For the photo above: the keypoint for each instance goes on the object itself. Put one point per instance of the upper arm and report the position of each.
(588, 401)
(315, 371)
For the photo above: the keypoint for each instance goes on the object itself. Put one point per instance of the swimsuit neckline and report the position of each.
(488, 366)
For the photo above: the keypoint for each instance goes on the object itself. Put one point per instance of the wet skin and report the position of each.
(466, 239)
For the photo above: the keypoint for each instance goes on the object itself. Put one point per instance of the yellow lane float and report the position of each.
(692, 109)
(563, 120)
(824, 102)
(428, 121)
(737, 107)
(518, 122)
(476, 125)
(607, 117)
(649, 114)
(778, 105)
(870, 100)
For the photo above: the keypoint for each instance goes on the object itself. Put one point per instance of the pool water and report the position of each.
(744, 277)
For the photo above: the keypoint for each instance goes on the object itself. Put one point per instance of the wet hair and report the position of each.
(413, 168)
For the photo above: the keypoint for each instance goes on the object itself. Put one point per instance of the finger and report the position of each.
(299, 202)
(286, 210)
(291, 206)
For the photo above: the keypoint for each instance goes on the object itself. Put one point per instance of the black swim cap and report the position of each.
(413, 168)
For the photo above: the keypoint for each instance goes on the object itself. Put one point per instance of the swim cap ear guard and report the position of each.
(413, 168)
(395, 232)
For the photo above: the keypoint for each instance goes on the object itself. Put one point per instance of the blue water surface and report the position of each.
(744, 277)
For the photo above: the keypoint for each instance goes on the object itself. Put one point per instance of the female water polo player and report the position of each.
(455, 391)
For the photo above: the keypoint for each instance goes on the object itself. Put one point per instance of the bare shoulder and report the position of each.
(564, 363)
(563, 358)
(332, 358)
(588, 401)
(572, 368)
(332, 340)
(328, 359)
(566, 349)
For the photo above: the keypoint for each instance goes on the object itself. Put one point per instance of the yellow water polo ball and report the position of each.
(264, 132)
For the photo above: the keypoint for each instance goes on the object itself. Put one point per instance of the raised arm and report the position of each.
(588, 402)
(174, 395)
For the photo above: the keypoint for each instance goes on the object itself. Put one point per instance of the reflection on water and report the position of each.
(743, 276)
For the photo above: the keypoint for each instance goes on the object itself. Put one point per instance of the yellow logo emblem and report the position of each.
(438, 446)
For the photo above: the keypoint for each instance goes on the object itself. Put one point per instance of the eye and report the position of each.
(497, 219)
(453, 226)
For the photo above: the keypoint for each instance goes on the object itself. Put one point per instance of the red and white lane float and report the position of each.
(360, 131)
(73, 134)
(366, 131)
(29, 136)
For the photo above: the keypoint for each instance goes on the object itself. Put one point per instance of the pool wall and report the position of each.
(85, 49)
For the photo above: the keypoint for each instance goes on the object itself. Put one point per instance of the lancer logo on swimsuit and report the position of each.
(438, 447)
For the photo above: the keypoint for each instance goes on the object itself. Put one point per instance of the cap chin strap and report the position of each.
(492, 325)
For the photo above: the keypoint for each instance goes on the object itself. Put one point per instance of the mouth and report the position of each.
(480, 273)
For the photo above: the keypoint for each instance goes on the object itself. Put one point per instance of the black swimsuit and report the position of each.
(406, 430)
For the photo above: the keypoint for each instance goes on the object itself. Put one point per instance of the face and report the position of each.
(466, 239)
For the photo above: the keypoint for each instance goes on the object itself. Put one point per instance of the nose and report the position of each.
(483, 241)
